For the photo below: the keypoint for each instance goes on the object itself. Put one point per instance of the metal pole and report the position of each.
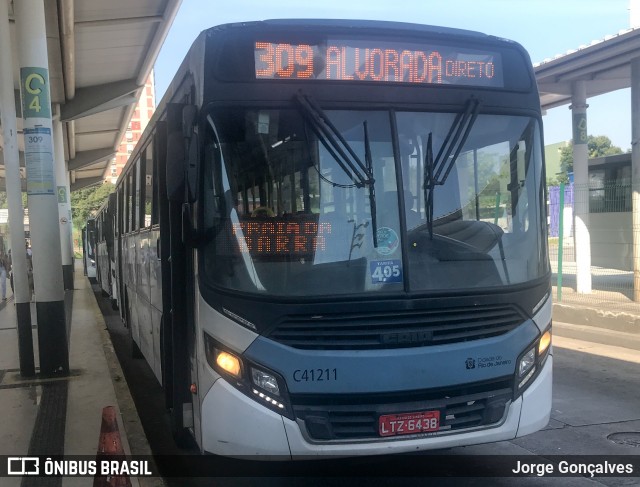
(22, 294)
(581, 187)
(41, 187)
(635, 174)
(70, 216)
(62, 194)
(560, 240)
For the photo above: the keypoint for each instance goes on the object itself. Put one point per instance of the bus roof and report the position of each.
(400, 27)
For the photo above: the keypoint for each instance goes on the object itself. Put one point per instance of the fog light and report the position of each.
(229, 363)
(265, 381)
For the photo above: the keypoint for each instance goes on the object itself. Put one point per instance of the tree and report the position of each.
(5, 204)
(85, 202)
(597, 146)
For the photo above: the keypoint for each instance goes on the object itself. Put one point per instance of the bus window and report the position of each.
(150, 188)
(119, 211)
(296, 211)
(484, 201)
(137, 207)
(128, 202)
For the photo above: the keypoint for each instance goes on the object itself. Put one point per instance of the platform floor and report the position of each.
(63, 416)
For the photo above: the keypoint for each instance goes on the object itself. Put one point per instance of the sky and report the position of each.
(545, 28)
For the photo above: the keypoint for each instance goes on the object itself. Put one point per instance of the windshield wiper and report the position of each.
(333, 141)
(361, 174)
(437, 171)
(372, 190)
(428, 184)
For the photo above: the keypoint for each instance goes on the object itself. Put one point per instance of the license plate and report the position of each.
(408, 423)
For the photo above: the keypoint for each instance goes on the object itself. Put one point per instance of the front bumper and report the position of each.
(235, 425)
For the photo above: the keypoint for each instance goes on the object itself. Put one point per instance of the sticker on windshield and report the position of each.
(388, 241)
(383, 271)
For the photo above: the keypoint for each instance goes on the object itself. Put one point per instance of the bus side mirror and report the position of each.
(182, 152)
(190, 132)
(189, 113)
(193, 152)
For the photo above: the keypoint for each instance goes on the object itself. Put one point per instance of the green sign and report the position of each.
(34, 85)
(62, 194)
(579, 128)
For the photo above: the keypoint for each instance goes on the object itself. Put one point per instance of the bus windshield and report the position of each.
(284, 214)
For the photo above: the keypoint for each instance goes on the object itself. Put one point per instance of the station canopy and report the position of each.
(100, 56)
(605, 66)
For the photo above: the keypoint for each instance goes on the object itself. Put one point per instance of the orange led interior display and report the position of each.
(280, 237)
(391, 63)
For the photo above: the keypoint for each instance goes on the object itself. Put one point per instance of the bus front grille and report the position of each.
(395, 329)
(356, 417)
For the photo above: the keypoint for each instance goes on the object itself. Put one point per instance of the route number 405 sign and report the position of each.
(384, 271)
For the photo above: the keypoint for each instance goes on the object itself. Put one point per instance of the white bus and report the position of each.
(308, 249)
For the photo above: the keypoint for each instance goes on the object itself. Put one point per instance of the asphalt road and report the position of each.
(596, 411)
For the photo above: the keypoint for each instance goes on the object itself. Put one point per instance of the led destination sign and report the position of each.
(277, 237)
(389, 62)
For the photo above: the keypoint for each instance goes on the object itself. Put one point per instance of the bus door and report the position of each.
(178, 274)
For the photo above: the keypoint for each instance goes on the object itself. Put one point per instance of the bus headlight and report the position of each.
(229, 363)
(258, 382)
(544, 343)
(226, 363)
(265, 381)
(532, 360)
(527, 362)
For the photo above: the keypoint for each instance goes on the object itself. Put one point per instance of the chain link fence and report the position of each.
(606, 212)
